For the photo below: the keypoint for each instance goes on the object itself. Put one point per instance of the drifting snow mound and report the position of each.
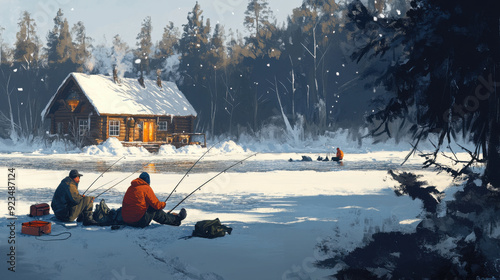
(113, 147)
(167, 150)
(189, 149)
(229, 147)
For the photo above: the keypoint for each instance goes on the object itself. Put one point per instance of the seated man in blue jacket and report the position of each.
(68, 204)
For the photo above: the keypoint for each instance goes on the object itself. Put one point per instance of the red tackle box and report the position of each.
(36, 228)
(39, 209)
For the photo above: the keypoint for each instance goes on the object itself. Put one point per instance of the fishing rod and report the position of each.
(123, 179)
(190, 169)
(102, 174)
(100, 187)
(241, 161)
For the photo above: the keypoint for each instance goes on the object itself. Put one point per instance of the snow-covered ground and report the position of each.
(282, 212)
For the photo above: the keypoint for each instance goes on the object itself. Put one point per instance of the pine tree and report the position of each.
(259, 21)
(82, 44)
(64, 48)
(53, 38)
(169, 42)
(60, 47)
(27, 44)
(144, 45)
(193, 46)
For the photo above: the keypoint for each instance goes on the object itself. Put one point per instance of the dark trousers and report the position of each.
(72, 213)
(158, 216)
(335, 159)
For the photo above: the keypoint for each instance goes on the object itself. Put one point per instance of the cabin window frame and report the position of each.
(163, 126)
(114, 128)
(83, 126)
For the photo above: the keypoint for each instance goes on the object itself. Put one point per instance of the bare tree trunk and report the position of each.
(213, 107)
(255, 110)
(293, 88)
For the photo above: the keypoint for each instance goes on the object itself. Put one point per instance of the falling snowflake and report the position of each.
(20, 89)
(337, 73)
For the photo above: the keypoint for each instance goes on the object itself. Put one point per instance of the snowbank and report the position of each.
(113, 147)
(37, 146)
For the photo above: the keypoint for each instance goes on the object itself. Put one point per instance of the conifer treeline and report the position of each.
(236, 83)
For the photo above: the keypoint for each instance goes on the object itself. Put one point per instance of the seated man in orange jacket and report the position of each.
(340, 155)
(140, 206)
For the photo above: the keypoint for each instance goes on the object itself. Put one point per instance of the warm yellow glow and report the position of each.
(72, 104)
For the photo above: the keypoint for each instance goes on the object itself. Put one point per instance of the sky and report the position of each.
(104, 19)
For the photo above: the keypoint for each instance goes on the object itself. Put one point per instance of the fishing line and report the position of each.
(190, 170)
(241, 161)
(102, 174)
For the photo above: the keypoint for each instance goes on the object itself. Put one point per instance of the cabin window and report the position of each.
(83, 127)
(114, 128)
(162, 125)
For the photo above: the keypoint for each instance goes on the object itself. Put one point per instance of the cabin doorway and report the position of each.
(148, 132)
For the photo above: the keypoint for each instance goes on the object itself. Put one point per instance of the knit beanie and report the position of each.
(145, 176)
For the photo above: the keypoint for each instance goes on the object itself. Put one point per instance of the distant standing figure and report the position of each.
(68, 204)
(340, 155)
(140, 206)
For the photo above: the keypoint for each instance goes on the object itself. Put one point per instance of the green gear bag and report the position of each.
(210, 229)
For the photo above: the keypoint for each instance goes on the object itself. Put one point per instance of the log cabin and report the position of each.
(139, 112)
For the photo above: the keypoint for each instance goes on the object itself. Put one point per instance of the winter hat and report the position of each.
(74, 173)
(145, 176)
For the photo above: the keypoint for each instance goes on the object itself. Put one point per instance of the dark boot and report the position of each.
(88, 220)
(182, 214)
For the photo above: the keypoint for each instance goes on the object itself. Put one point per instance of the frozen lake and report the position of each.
(180, 164)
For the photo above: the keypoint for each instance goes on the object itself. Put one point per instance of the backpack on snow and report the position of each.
(105, 216)
(210, 229)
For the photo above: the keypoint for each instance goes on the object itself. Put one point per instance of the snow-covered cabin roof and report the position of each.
(129, 97)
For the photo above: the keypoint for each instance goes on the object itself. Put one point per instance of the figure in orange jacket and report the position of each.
(340, 155)
(140, 206)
